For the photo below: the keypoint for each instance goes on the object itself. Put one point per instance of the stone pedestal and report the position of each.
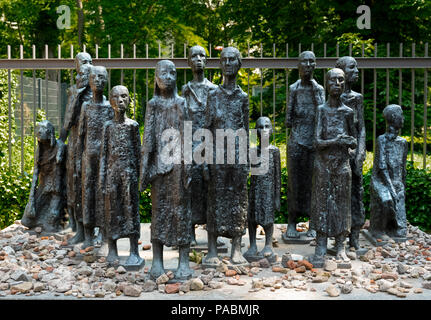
(375, 241)
(302, 239)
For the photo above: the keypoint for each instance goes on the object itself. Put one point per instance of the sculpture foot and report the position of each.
(112, 257)
(311, 233)
(87, 243)
(134, 259)
(193, 243)
(156, 271)
(77, 238)
(213, 261)
(342, 256)
(220, 243)
(238, 258)
(183, 273)
(252, 251)
(400, 233)
(291, 232)
(267, 251)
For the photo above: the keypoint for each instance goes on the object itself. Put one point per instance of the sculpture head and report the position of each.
(98, 78)
(45, 133)
(335, 82)
(82, 58)
(263, 126)
(83, 77)
(306, 65)
(230, 61)
(166, 77)
(350, 67)
(119, 98)
(197, 58)
(394, 116)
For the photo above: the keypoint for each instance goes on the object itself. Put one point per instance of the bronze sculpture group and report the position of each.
(97, 176)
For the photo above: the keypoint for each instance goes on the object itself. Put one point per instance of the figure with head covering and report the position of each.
(304, 97)
(46, 204)
(330, 200)
(162, 166)
(228, 117)
(118, 178)
(387, 188)
(78, 94)
(196, 92)
(264, 192)
(354, 100)
(94, 114)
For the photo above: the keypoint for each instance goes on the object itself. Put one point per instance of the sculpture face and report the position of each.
(81, 59)
(166, 75)
(119, 99)
(44, 131)
(83, 77)
(307, 63)
(335, 82)
(197, 58)
(98, 78)
(229, 62)
(263, 125)
(351, 70)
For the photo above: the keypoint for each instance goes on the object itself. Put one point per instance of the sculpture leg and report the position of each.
(193, 243)
(354, 238)
(291, 226)
(321, 245)
(134, 257)
(72, 220)
(267, 250)
(79, 235)
(183, 271)
(340, 249)
(252, 251)
(212, 258)
(236, 255)
(157, 265)
(88, 237)
(112, 251)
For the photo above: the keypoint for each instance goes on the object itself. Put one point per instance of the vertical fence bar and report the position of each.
(210, 76)
(46, 84)
(71, 70)
(97, 51)
(388, 53)
(59, 91)
(273, 96)
(400, 79)
(350, 49)
(287, 100)
(412, 111)
(425, 110)
(323, 70)
(9, 87)
(185, 56)
(362, 70)
(337, 50)
(122, 57)
(374, 102)
(109, 71)
(248, 73)
(261, 82)
(21, 56)
(134, 84)
(146, 76)
(34, 104)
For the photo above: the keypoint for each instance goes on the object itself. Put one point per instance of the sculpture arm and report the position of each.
(361, 148)
(147, 146)
(30, 209)
(245, 114)
(103, 156)
(382, 168)
(290, 108)
(404, 162)
(277, 178)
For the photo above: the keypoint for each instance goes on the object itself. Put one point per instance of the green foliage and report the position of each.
(145, 206)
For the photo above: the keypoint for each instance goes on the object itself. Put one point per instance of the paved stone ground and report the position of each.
(36, 267)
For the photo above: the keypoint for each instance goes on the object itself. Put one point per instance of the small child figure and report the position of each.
(387, 188)
(118, 179)
(47, 200)
(171, 215)
(264, 193)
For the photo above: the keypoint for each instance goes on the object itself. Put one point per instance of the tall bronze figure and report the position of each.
(334, 139)
(163, 132)
(196, 92)
(78, 94)
(264, 193)
(47, 199)
(304, 97)
(93, 116)
(354, 100)
(387, 188)
(118, 178)
(228, 110)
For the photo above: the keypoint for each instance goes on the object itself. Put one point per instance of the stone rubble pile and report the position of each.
(32, 265)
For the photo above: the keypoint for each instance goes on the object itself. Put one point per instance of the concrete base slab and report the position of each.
(302, 239)
(375, 241)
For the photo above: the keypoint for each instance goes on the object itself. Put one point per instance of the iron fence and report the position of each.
(250, 63)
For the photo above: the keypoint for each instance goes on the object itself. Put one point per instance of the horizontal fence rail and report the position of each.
(214, 63)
